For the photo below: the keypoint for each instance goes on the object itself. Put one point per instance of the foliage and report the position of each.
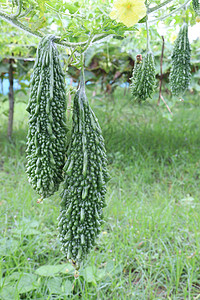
(74, 22)
(149, 245)
(80, 25)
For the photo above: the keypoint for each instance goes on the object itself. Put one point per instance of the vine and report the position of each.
(13, 19)
(84, 174)
(173, 11)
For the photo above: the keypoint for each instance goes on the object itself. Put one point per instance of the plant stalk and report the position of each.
(170, 14)
(148, 36)
(13, 21)
(157, 7)
(11, 100)
(19, 9)
(161, 73)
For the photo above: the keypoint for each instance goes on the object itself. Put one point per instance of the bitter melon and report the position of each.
(46, 140)
(143, 79)
(196, 6)
(83, 195)
(180, 72)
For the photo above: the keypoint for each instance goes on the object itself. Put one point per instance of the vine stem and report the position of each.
(161, 72)
(19, 9)
(170, 14)
(82, 81)
(169, 110)
(11, 99)
(148, 36)
(147, 27)
(27, 11)
(157, 7)
(15, 22)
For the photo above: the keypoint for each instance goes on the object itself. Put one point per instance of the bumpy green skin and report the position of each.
(46, 144)
(196, 6)
(136, 70)
(143, 80)
(83, 196)
(180, 72)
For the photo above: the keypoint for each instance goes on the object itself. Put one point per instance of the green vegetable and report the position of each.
(83, 195)
(46, 144)
(196, 6)
(180, 72)
(143, 80)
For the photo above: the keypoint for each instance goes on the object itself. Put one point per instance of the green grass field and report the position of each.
(149, 247)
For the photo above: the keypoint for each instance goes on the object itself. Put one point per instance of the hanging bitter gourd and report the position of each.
(143, 79)
(84, 188)
(196, 6)
(46, 141)
(180, 72)
(137, 67)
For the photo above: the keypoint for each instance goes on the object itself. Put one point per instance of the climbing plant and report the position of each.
(77, 26)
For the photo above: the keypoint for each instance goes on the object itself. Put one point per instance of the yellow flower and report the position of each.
(198, 19)
(129, 12)
(173, 37)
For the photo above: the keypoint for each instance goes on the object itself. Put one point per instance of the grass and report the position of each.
(149, 247)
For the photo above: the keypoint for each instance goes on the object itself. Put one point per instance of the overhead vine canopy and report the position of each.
(78, 24)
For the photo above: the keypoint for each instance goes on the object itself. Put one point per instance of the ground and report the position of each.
(149, 247)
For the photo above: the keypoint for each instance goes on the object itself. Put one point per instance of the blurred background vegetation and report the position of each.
(109, 63)
(149, 247)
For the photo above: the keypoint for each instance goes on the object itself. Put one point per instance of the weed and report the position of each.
(149, 247)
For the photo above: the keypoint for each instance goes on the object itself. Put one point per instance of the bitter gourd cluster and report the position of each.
(180, 72)
(46, 145)
(83, 196)
(143, 79)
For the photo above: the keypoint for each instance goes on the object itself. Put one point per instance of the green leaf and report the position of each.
(8, 293)
(91, 86)
(94, 274)
(101, 273)
(13, 277)
(67, 287)
(5, 112)
(3, 67)
(21, 91)
(71, 8)
(4, 99)
(34, 223)
(197, 74)
(67, 269)
(51, 270)
(143, 20)
(54, 285)
(27, 283)
(8, 246)
(89, 274)
(112, 269)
